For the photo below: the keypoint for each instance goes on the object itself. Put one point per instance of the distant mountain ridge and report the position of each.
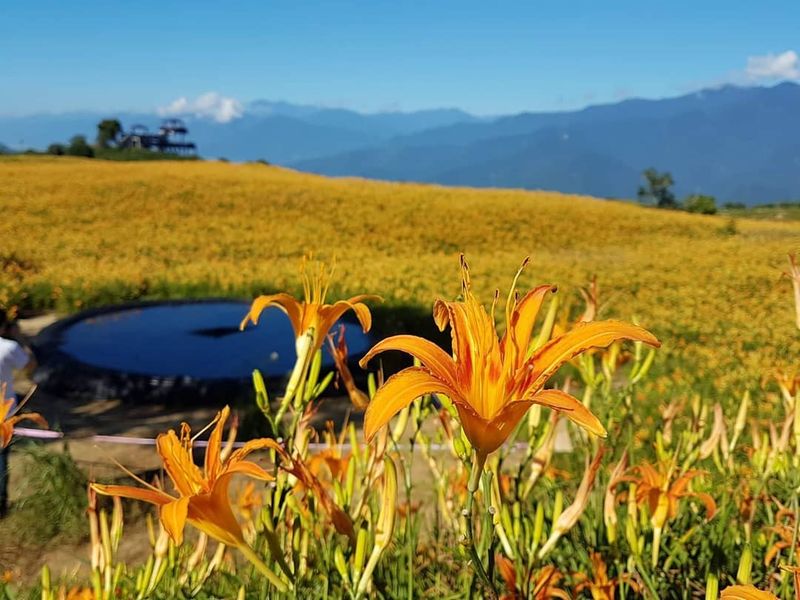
(735, 143)
(738, 144)
(279, 132)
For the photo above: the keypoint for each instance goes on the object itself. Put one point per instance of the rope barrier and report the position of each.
(44, 434)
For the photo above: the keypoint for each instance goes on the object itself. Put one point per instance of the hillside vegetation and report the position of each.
(81, 232)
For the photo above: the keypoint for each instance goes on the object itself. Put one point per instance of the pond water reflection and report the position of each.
(198, 340)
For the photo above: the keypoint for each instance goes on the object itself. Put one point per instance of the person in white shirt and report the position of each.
(14, 356)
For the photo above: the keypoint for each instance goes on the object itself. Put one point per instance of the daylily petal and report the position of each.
(173, 518)
(708, 502)
(523, 317)
(329, 314)
(251, 469)
(597, 334)
(28, 416)
(745, 592)
(214, 448)
(436, 360)
(572, 408)
(252, 446)
(152, 496)
(211, 513)
(6, 432)
(285, 302)
(5, 405)
(507, 572)
(178, 463)
(400, 390)
(339, 353)
(7, 426)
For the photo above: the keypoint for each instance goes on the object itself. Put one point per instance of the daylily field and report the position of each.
(620, 419)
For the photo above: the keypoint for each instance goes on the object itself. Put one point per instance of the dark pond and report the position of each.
(176, 344)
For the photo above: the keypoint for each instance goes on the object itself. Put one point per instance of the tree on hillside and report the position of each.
(78, 146)
(657, 189)
(700, 203)
(56, 149)
(107, 132)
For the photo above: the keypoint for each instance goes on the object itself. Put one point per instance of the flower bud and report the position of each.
(712, 587)
(341, 564)
(745, 565)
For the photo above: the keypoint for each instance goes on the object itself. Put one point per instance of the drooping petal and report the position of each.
(173, 518)
(507, 572)
(251, 469)
(339, 353)
(572, 408)
(708, 502)
(432, 357)
(329, 314)
(152, 496)
(34, 417)
(285, 302)
(7, 426)
(597, 334)
(252, 446)
(398, 392)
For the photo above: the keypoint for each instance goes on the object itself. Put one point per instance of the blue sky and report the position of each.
(488, 58)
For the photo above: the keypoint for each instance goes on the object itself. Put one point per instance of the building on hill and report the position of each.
(171, 138)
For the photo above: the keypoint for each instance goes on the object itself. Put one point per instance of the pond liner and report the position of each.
(61, 374)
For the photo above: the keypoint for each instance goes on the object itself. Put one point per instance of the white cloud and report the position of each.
(210, 105)
(785, 65)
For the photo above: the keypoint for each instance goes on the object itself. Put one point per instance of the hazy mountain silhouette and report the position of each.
(734, 143)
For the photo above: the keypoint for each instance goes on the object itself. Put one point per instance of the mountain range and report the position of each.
(735, 143)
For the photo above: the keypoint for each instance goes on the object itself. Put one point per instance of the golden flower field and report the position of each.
(82, 232)
(633, 433)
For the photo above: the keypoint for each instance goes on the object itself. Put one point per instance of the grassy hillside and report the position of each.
(82, 232)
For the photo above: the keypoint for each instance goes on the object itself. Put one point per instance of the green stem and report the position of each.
(409, 542)
(262, 568)
(469, 537)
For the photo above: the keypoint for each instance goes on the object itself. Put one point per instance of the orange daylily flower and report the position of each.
(492, 381)
(786, 535)
(745, 592)
(202, 495)
(789, 384)
(662, 497)
(307, 480)
(339, 354)
(541, 584)
(9, 418)
(311, 318)
(248, 501)
(76, 593)
(601, 587)
(590, 298)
